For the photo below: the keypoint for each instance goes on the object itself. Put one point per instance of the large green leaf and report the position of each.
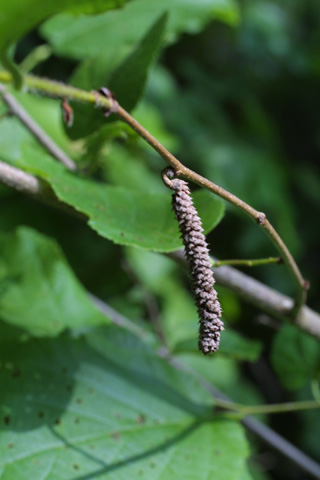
(295, 357)
(18, 17)
(117, 31)
(107, 408)
(38, 291)
(127, 81)
(127, 217)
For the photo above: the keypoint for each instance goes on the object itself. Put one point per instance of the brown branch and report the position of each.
(59, 90)
(258, 217)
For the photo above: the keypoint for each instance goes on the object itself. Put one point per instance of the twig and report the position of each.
(36, 130)
(265, 433)
(117, 318)
(60, 90)
(20, 180)
(249, 289)
(56, 89)
(37, 55)
(245, 410)
(26, 183)
(247, 263)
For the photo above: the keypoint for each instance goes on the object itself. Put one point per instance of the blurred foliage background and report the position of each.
(237, 100)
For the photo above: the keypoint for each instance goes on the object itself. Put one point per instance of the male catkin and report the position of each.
(197, 254)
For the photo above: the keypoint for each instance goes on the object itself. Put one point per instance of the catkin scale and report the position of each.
(198, 259)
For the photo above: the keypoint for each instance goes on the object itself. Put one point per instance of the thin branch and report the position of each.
(245, 410)
(60, 90)
(20, 180)
(26, 183)
(252, 291)
(37, 55)
(36, 130)
(56, 89)
(247, 263)
(117, 318)
(265, 433)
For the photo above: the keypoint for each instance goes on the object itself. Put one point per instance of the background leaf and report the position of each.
(38, 291)
(106, 417)
(295, 357)
(84, 36)
(18, 17)
(128, 87)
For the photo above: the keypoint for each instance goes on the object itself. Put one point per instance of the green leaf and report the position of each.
(110, 410)
(295, 357)
(18, 17)
(119, 30)
(233, 345)
(38, 291)
(127, 81)
(126, 217)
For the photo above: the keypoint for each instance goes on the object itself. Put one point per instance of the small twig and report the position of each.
(245, 410)
(59, 90)
(117, 318)
(26, 183)
(36, 130)
(247, 263)
(39, 54)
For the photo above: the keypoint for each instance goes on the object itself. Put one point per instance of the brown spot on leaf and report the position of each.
(16, 373)
(7, 420)
(79, 400)
(77, 420)
(76, 467)
(10, 445)
(141, 418)
(41, 414)
(57, 421)
(115, 436)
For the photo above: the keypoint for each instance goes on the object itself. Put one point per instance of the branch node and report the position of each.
(261, 218)
(168, 174)
(105, 92)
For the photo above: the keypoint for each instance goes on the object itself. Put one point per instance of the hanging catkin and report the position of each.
(197, 254)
